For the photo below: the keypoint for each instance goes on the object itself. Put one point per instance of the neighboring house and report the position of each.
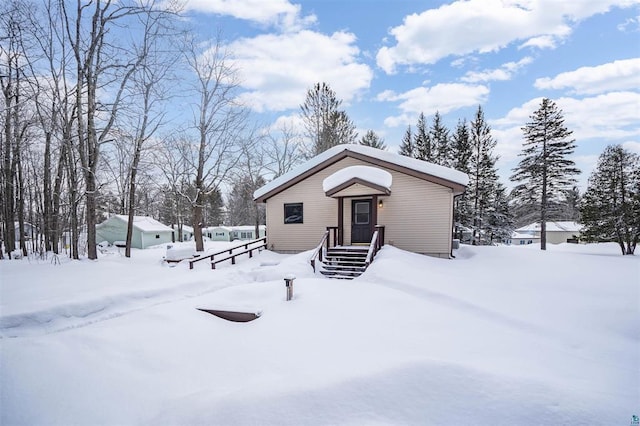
(29, 230)
(247, 232)
(557, 232)
(217, 233)
(353, 188)
(187, 233)
(522, 239)
(147, 231)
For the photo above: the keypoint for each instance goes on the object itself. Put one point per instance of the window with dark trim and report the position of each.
(293, 213)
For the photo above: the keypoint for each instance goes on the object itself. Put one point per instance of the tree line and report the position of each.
(115, 107)
(98, 120)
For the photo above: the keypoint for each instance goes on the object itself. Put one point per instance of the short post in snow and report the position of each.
(288, 282)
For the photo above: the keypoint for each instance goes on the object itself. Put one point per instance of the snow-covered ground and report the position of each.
(497, 336)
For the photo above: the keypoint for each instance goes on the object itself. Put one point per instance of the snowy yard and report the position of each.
(497, 336)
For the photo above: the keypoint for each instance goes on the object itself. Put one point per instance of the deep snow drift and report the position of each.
(499, 335)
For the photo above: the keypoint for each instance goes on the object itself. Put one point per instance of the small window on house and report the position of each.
(293, 213)
(157, 236)
(219, 234)
(245, 235)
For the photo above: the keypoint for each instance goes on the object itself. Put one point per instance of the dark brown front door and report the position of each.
(361, 229)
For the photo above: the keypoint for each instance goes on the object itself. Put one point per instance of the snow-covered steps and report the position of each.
(345, 262)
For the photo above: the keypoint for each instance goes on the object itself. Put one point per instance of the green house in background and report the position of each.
(147, 231)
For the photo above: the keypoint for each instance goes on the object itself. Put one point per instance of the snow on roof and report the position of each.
(219, 227)
(145, 223)
(560, 226)
(373, 175)
(518, 235)
(247, 227)
(435, 170)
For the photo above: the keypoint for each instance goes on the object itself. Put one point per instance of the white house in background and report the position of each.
(29, 230)
(247, 232)
(519, 239)
(187, 233)
(217, 233)
(147, 231)
(557, 232)
(355, 190)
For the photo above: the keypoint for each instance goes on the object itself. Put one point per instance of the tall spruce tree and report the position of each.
(460, 160)
(499, 226)
(483, 176)
(373, 140)
(611, 205)
(406, 147)
(545, 170)
(325, 124)
(241, 209)
(440, 143)
(422, 141)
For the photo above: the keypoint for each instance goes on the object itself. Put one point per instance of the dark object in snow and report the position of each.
(232, 315)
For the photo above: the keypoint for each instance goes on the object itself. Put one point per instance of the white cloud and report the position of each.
(617, 75)
(600, 120)
(489, 25)
(278, 69)
(280, 13)
(632, 146)
(505, 72)
(630, 25)
(441, 97)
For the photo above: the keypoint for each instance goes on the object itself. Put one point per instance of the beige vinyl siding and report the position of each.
(417, 215)
(319, 211)
(356, 190)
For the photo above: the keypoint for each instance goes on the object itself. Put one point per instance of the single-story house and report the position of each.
(29, 230)
(247, 232)
(557, 232)
(354, 189)
(218, 233)
(187, 233)
(147, 231)
(520, 239)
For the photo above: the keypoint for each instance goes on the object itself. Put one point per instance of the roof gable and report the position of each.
(444, 176)
(141, 223)
(559, 226)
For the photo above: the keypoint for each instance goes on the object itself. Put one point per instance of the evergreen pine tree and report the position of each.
(406, 147)
(373, 140)
(610, 207)
(483, 176)
(570, 206)
(499, 225)
(422, 142)
(460, 160)
(441, 146)
(325, 125)
(241, 209)
(545, 171)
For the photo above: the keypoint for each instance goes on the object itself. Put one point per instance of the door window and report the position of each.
(362, 213)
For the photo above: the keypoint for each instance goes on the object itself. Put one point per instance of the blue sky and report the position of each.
(390, 60)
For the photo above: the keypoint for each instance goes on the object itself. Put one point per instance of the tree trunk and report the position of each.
(196, 221)
(132, 197)
(20, 201)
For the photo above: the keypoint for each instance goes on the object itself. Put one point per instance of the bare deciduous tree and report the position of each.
(218, 124)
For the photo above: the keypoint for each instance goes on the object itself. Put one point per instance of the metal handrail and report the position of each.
(317, 252)
(373, 248)
(229, 250)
